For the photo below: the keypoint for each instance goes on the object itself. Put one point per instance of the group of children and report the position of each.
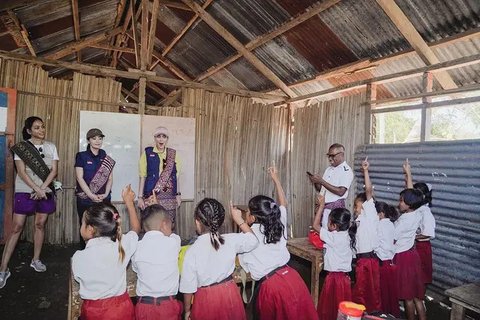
(206, 282)
(392, 252)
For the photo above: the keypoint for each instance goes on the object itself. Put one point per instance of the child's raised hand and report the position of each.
(127, 194)
(406, 167)
(236, 214)
(320, 201)
(365, 164)
(273, 172)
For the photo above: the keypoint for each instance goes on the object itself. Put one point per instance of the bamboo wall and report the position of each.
(315, 129)
(62, 123)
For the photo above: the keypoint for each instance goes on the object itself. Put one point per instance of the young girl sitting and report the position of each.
(366, 290)
(385, 253)
(210, 262)
(339, 245)
(101, 268)
(280, 293)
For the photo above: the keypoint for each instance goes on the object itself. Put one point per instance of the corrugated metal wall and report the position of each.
(315, 129)
(453, 169)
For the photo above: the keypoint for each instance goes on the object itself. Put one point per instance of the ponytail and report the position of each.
(215, 238)
(267, 214)
(342, 218)
(118, 236)
(352, 232)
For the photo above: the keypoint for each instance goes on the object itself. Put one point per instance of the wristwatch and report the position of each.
(179, 193)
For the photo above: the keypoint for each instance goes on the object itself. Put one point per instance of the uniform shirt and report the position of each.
(427, 224)
(156, 264)
(51, 154)
(203, 265)
(385, 232)
(405, 230)
(367, 221)
(142, 165)
(338, 253)
(98, 269)
(339, 176)
(266, 257)
(90, 163)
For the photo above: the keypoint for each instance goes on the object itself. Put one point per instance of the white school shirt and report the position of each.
(338, 253)
(367, 221)
(156, 264)
(386, 247)
(98, 269)
(339, 176)
(51, 154)
(405, 230)
(203, 265)
(427, 224)
(266, 257)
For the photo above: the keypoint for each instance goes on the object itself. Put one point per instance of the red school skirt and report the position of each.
(218, 302)
(424, 249)
(167, 308)
(409, 275)
(388, 288)
(283, 296)
(366, 290)
(336, 288)
(114, 308)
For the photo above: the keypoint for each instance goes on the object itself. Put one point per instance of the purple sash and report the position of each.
(100, 178)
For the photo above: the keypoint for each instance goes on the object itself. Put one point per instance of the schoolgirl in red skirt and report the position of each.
(281, 294)
(103, 284)
(385, 253)
(209, 263)
(366, 290)
(339, 243)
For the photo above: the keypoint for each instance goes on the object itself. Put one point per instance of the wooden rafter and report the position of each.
(176, 5)
(135, 34)
(255, 43)
(259, 65)
(22, 31)
(144, 36)
(85, 42)
(153, 29)
(76, 26)
(405, 26)
(119, 39)
(184, 30)
(112, 48)
(11, 4)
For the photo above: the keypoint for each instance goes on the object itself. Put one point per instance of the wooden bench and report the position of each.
(302, 248)
(464, 297)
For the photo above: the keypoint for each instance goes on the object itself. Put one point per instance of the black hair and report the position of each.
(150, 212)
(361, 197)
(427, 193)
(412, 198)
(28, 126)
(336, 146)
(211, 214)
(267, 214)
(342, 219)
(106, 222)
(389, 211)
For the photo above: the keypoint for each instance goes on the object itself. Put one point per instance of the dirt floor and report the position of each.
(31, 295)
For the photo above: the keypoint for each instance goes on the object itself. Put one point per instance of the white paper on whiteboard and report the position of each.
(121, 142)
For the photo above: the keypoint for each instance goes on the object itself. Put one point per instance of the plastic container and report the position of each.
(348, 310)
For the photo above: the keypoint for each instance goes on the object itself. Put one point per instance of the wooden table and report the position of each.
(464, 297)
(302, 248)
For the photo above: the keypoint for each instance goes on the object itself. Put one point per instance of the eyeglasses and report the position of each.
(331, 156)
(41, 152)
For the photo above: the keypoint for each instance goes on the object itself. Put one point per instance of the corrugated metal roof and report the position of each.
(249, 76)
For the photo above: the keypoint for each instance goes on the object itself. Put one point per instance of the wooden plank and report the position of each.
(259, 65)
(426, 119)
(255, 43)
(134, 32)
(76, 26)
(141, 95)
(408, 30)
(176, 5)
(78, 45)
(112, 72)
(144, 36)
(12, 4)
(20, 28)
(118, 41)
(112, 48)
(151, 34)
(371, 96)
(184, 30)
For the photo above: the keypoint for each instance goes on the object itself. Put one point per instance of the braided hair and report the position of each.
(105, 220)
(342, 218)
(267, 212)
(211, 214)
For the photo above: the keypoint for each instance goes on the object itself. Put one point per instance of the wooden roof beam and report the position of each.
(184, 30)
(119, 39)
(153, 29)
(259, 65)
(408, 30)
(76, 26)
(22, 31)
(255, 43)
(112, 48)
(176, 5)
(12, 4)
(144, 36)
(85, 42)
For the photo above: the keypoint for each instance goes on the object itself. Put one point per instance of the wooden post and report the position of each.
(371, 96)
(426, 120)
(141, 95)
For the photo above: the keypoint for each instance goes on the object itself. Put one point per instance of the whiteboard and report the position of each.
(121, 142)
(182, 139)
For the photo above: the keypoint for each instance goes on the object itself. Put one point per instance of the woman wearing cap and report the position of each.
(159, 169)
(94, 173)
